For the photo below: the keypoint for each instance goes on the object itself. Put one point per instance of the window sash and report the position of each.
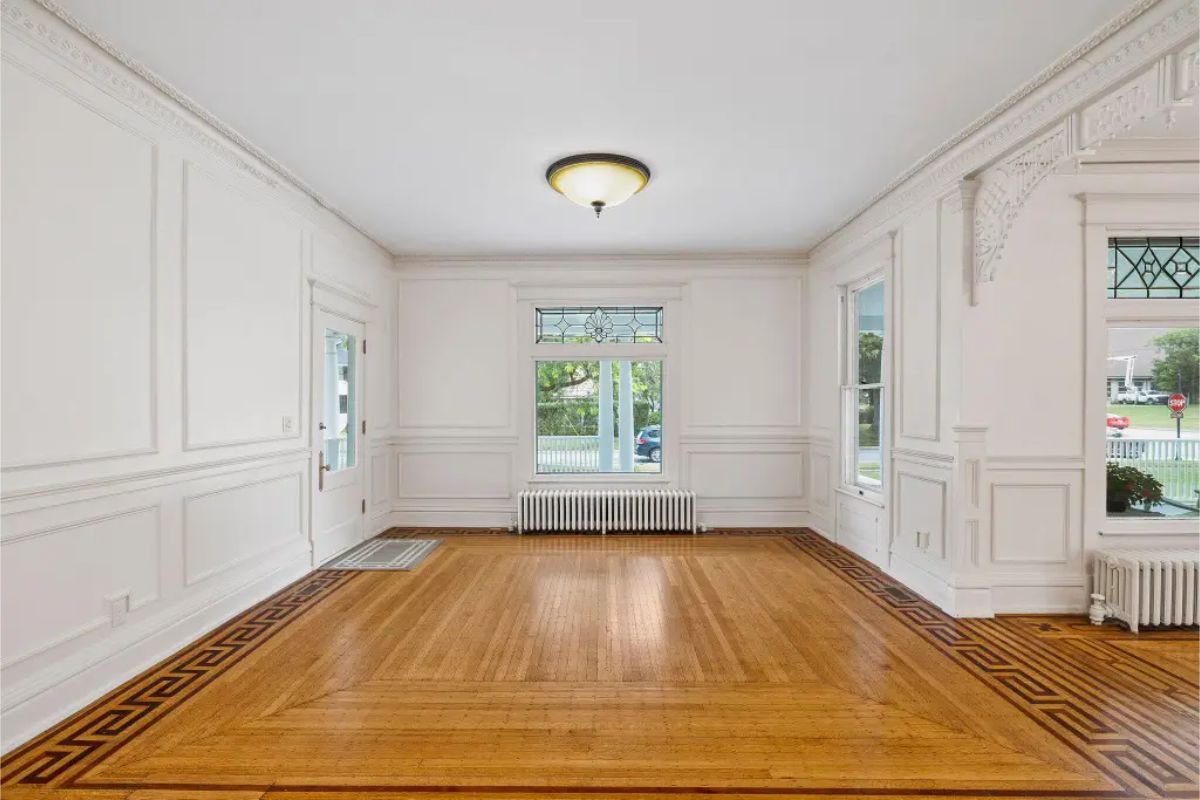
(851, 389)
(583, 461)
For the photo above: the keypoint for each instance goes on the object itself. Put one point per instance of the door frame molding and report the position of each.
(340, 301)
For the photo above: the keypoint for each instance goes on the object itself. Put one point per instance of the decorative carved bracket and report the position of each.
(1005, 186)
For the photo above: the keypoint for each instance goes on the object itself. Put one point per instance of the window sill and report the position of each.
(866, 495)
(605, 478)
(1151, 527)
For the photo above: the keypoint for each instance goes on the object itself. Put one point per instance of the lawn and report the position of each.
(1156, 417)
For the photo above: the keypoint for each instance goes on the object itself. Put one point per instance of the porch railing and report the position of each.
(1174, 462)
(568, 454)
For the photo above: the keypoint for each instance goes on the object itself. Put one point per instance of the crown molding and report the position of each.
(1060, 89)
(612, 261)
(1168, 82)
(17, 16)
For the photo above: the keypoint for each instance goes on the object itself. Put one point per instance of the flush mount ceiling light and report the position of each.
(598, 180)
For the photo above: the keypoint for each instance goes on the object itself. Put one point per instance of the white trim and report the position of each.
(1123, 214)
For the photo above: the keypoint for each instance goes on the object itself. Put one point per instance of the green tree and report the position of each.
(568, 396)
(1178, 368)
(870, 357)
(870, 370)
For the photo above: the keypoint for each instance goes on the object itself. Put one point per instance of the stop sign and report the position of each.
(1177, 402)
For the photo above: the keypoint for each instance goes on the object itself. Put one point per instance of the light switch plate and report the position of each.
(289, 424)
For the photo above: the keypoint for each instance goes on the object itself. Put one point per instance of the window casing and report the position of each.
(1123, 217)
(864, 391)
(574, 349)
(1152, 459)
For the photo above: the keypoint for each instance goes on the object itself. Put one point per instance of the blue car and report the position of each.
(649, 443)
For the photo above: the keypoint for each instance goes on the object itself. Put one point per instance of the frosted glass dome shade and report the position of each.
(598, 180)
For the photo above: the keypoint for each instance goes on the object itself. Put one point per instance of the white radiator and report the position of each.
(1147, 587)
(605, 510)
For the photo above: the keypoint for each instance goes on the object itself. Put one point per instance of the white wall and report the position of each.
(156, 285)
(733, 424)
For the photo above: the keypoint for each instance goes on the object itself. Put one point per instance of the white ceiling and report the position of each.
(430, 123)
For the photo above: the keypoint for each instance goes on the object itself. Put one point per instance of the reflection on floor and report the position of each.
(774, 665)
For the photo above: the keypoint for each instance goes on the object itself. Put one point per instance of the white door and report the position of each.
(338, 434)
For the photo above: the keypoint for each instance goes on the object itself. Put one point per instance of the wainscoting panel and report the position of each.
(65, 571)
(746, 474)
(457, 473)
(858, 526)
(921, 510)
(225, 528)
(1033, 523)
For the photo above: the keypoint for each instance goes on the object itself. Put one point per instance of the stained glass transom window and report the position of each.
(1154, 267)
(599, 324)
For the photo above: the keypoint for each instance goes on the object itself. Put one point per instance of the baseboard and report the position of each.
(43, 706)
(924, 583)
(460, 518)
(738, 518)
(857, 545)
(820, 527)
(381, 522)
(957, 601)
(1065, 598)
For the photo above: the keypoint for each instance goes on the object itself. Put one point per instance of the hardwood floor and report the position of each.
(759, 666)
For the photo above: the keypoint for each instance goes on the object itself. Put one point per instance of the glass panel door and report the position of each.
(338, 420)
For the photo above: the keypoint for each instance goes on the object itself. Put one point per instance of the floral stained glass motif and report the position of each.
(599, 325)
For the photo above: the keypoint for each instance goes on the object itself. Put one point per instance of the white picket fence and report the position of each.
(1174, 462)
(569, 454)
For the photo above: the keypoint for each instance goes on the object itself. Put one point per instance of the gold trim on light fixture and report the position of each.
(598, 180)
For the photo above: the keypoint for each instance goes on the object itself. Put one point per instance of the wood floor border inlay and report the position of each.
(1126, 748)
(103, 727)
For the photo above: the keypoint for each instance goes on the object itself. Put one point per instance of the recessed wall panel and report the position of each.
(78, 279)
(242, 312)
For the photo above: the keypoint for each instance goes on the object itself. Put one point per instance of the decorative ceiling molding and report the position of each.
(631, 261)
(1169, 82)
(1006, 126)
(149, 103)
(1005, 187)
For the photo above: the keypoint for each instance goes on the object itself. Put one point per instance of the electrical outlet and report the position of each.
(118, 608)
(289, 424)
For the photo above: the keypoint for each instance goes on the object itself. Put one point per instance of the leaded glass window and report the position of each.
(599, 324)
(1154, 267)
